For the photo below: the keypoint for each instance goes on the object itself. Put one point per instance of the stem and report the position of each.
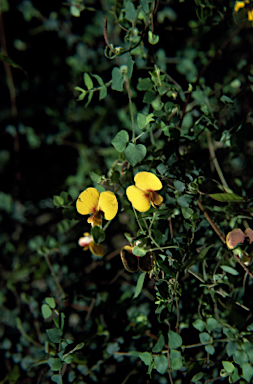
(54, 276)
(23, 333)
(138, 220)
(127, 85)
(215, 161)
(210, 221)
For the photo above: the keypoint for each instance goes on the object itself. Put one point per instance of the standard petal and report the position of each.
(87, 201)
(235, 237)
(147, 181)
(147, 262)
(138, 198)
(108, 204)
(97, 250)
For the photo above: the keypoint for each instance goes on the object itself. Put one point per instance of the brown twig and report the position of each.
(210, 221)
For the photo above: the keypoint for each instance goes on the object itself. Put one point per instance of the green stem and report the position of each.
(23, 333)
(130, 107)
(138, 220)
(54, 276)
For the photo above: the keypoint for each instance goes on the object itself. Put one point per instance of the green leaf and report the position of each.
(146, 357)
(58, 201)
(226, 100)
(226, 197)
(8, 60)
(196, 258)
(130, 11)
(135, 153)
(54, 363)
(187, 212)
(230, 270)
(139, 284)
(57, 378)
(199, 325)
(130, 66)
(98, 234)
(99, 79)
(159, 345)
(175, 340)
(46, 311)
(210, 349)
(87, 81)
(175, 360)
(179, 185)
(120, 140)
(247, 372)
(51, 302)
(161, 364)
(90, 95)
(141, 120)
(229, 367)
(211, 324)
(117, 79)
(205, 338)
(197, 377)
(102, 92)
(54, 334)
(139, 251)
(152, 38)
(240, 357)
(145, 84)
(95, 177)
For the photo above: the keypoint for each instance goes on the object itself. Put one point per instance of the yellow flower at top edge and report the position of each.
(143, 193)
(241, 4)
(87, 242)
(99, 205)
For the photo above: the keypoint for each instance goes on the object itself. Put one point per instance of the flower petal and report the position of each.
(235, 237)
(138, 198)
(147, 262)
(155, 199)
(147, 181)
(249, 233)
(97, 250)
(86, 240)
(130, 262)
(87, 201)
(108, 204)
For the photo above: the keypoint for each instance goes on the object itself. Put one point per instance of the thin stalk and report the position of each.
(127, 85)
(54, 276)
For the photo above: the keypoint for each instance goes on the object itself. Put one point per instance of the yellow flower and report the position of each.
(132, 263)
(143, 193)
(87, 242)
(98, 205)
(241, 4)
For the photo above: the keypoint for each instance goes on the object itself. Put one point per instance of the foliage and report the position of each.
(96, 93)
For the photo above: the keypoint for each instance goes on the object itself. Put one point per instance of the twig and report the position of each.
(215, 161)
(54, 276)
(210, 221)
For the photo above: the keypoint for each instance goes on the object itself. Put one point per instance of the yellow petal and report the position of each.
(108, 204)
(239, 5)
(87, 201)
(138, 198)
(147, 181)
(250, 15)
(234, 237)
(97, 250)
